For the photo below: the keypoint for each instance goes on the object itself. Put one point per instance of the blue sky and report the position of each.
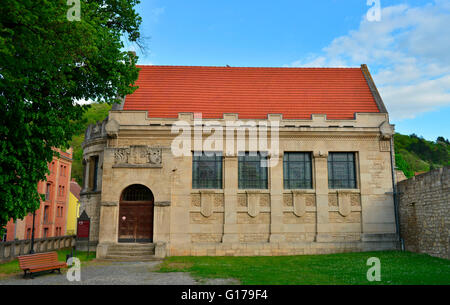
(407, 50)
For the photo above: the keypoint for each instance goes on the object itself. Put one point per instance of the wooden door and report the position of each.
(136, 221)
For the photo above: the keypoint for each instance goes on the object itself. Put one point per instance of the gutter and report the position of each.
(395, 195)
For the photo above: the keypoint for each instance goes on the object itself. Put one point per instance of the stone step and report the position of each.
(130, 258)
(132, 247)
(131, 252)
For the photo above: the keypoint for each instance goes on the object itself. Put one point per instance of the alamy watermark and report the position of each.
(221, 138)
(374, 272)
(374, 13)
(74, 272)
(74, 11)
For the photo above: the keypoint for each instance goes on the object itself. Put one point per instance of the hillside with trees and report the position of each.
(415, 154)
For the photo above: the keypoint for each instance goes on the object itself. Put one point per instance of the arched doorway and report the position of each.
(136, 214)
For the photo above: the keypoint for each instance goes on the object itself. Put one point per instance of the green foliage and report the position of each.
(415, 154)
(95, 113)
(46, 64)
(397, 268)
(403, 166)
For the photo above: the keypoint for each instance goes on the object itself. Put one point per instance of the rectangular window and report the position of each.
(47, 192)
(341, 170)
(29, 233)
(297, 172)
(207, 171)
(45, 232)
(94, 185)
(252, 171)
(93, 173)
(46, 209)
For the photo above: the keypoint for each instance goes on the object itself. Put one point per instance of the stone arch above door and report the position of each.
(136, 213)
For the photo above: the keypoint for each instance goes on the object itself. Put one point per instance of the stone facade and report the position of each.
(134, 149)
(424, 212)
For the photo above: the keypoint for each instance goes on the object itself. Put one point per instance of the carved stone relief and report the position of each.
(344, 203)
(253, 204)
(138, 155)
(385, 146)
(206, 204)
(299, 204)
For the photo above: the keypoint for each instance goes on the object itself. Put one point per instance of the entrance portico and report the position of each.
(135, 198)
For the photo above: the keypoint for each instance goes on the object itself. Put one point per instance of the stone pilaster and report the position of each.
(321, 177)
(109, 215)
(363, 184)
(230, 229)
(180, 189)
(276, 199)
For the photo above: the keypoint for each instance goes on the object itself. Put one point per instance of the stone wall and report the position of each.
(11, 249)
(424, 212)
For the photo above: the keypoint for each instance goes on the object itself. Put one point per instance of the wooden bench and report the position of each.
(40, 262)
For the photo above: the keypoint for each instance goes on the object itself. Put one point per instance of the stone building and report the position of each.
(319, 181)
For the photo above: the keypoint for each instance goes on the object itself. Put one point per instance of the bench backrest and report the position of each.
(37, 259)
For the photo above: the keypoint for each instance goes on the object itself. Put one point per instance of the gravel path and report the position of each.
(116, 273)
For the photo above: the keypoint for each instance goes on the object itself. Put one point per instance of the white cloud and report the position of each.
(407, 51)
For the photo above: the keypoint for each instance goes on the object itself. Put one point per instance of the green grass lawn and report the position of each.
(12, 267)
(347, 269)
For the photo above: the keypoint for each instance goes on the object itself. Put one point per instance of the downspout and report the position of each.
(395, 194)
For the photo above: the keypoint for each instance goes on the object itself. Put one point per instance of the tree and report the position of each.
(48, 62)
(442, 140)
(420, 154)
(403, 166)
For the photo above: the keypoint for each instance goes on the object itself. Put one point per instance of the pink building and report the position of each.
(50, 219)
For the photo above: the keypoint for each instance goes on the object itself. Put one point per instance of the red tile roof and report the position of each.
(164, 91)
